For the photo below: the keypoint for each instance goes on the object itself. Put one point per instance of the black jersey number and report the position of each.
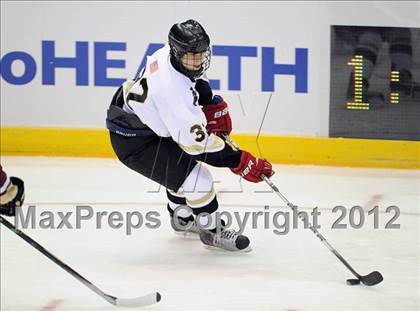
(140, 98)
(198, 131)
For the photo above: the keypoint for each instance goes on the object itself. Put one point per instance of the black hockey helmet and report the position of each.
(189, 37)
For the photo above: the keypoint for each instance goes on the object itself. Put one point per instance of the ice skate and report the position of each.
(185, 226)
(226, 239)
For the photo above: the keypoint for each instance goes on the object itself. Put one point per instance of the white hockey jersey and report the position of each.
(167, 102)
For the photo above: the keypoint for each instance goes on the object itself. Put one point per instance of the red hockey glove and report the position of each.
(218, 118)
(251, 168)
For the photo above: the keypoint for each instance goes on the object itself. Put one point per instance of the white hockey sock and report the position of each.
(200, 195)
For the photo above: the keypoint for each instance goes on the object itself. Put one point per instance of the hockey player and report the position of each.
(11, 193)
(167, 122)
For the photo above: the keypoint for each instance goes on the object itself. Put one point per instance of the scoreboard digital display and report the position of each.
(375, 82)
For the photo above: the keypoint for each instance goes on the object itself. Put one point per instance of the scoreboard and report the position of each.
(375, 82)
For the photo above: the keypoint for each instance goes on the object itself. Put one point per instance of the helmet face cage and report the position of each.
(189, 42)
(190, 61)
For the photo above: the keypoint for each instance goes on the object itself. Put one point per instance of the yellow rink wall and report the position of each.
(278, 149)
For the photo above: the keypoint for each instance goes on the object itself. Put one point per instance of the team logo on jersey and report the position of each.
(194, 93)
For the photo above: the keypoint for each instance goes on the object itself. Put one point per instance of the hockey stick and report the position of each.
(121, 302)
(370, 279)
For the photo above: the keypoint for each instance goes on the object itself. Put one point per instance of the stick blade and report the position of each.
(138, 301)
(372, 278)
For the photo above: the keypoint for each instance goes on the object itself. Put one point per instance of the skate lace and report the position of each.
(228, 234)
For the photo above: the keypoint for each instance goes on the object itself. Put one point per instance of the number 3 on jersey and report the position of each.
(198, 131)
(139, 97)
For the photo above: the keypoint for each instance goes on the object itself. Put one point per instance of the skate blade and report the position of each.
(187, 234)
(222, 250)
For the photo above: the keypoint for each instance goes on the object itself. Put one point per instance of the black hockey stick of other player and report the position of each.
(121, 302)
(370, 279)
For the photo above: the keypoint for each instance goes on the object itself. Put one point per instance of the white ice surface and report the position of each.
(287, 272)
